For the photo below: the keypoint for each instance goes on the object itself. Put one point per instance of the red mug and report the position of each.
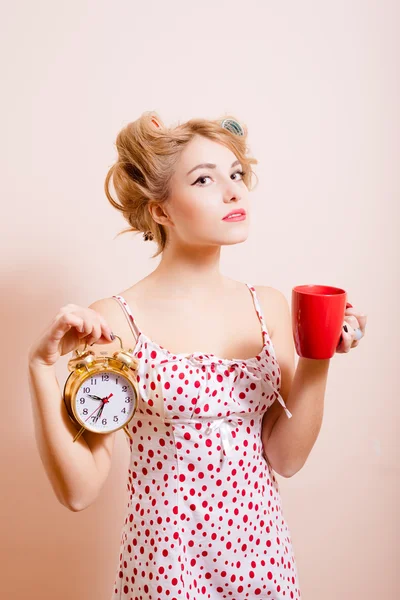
(317, 318)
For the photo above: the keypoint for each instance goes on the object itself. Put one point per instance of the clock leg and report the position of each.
(82, 429)
(127, 432)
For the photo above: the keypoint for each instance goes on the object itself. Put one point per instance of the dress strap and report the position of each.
(267, 340)
(128, 314)
(260, 314)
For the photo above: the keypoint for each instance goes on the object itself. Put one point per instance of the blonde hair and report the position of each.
(148, 152)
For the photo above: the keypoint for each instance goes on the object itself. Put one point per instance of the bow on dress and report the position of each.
(227, 423)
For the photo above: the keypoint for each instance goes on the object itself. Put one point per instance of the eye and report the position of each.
(201, 177)
(241, 173)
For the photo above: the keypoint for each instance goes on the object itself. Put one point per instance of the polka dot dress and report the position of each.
(204, 517)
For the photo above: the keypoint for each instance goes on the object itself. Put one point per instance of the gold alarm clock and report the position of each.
(101, 393)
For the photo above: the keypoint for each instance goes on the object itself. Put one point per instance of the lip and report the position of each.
(238, 211)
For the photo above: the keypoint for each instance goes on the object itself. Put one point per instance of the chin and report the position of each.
(234, 239)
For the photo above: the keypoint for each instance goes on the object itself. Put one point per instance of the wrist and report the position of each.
(314, 361)
(314, 365)
(35, 364)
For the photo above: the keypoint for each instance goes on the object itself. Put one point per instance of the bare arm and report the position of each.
(292, 440)
(76, 470)
(288, 442)
(70, 466)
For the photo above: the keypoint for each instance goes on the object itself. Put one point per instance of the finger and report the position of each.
(64, 323)
(341, 344)
(362, 322)
(352, 321)
(347, 338)
(95, 334)
(352, 332)
(105, 328)
(87, 327)
(107, 333)
(361, 317)
(101, 334)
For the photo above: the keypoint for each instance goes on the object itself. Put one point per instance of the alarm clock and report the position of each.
(101, 393)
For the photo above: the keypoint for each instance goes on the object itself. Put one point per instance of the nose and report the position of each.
(232, 192)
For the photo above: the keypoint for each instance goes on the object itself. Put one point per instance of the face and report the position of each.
(201, 197)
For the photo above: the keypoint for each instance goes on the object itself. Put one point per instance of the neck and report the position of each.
(189, 270)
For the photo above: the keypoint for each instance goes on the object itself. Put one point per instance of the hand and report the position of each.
(72, 326)
(353, 320)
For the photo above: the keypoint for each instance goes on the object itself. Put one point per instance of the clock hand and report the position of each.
(98, 397)
(105, 400)
(100, 412)
(97, 408)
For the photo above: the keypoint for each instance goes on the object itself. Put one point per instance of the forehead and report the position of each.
(202, 150)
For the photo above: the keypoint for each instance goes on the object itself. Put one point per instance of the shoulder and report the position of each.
(280, 332)
(275, 307)
(105, 306)
(116, 318)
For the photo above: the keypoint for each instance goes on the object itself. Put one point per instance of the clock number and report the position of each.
(93, 381)
(123, 410)
(82, 400)
(105, 377)
(85, 411)
(86, 390)
(124, 388)
(115, 419)
(127, 399)
(104, 422)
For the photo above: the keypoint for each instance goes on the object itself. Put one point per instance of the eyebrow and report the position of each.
(211, 166)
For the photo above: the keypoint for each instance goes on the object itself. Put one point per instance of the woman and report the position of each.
(204, 515)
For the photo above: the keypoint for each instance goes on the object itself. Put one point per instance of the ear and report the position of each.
(159, 214)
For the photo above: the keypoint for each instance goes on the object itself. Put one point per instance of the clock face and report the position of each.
(105, 401)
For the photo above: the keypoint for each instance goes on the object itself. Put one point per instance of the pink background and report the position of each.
(317, 83)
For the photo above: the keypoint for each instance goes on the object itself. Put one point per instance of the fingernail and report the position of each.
(345, 328)
(112, 336)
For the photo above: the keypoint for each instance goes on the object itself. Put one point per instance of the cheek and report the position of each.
(192, 210)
